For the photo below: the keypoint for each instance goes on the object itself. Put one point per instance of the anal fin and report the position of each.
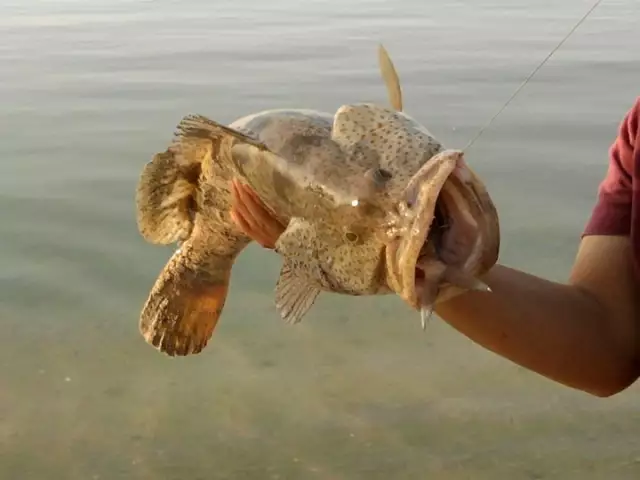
(295, 295)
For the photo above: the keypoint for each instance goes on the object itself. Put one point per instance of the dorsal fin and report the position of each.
(390, 78)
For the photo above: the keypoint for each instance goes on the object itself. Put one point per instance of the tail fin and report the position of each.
(186, 302)
(165, 199)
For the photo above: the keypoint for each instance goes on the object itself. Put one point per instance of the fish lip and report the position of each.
(478, 204)
(428, 252)
(484, 212)
(409, 244)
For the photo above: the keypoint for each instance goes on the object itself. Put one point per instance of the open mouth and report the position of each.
(450, 238)
(434, 241)
(443, 250)
(429, 269)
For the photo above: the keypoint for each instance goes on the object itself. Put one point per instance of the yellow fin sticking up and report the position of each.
(390, 77)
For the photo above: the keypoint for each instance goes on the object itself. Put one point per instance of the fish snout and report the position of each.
(447, 234)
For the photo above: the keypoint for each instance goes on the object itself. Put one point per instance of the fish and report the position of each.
(373, 204)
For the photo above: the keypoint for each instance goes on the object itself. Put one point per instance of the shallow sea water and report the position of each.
(90, 89)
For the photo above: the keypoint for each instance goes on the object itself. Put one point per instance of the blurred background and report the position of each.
(91, 89)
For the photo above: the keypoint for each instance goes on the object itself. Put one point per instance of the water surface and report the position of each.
(90, 89)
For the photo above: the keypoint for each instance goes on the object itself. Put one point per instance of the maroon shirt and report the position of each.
(617, 211)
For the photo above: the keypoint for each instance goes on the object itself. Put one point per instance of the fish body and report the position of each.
(358, 191)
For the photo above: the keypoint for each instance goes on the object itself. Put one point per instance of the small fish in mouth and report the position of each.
(372, 203)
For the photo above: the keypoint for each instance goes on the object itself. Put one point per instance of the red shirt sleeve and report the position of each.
(612, 213)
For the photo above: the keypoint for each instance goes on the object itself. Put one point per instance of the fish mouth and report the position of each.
(449, 237)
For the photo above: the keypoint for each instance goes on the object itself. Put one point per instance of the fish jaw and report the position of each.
(409, 228)
(429, 263)
(471, 245)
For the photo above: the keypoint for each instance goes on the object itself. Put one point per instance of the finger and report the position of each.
(239, 211)
(236, 201)
(251, 200)
(262, 213)
(242, 223)
(250, 211)
(254, 211)
(235, 194)
(252, 193)
(259, 223)
(241, 205)
(248, 229)
(252, 226)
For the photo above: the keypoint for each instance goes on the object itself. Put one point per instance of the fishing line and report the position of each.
(526, 80)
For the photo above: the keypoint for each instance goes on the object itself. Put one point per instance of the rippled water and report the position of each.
(90, 89)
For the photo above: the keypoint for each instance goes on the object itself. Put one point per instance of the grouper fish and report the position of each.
(373, 205)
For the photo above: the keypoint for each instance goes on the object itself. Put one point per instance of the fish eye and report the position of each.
(381, 175)
(351, 237)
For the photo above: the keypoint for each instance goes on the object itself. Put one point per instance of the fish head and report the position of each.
(385, 149)
(444, 233)
(429, 208)
(444, 224)
(371, 155)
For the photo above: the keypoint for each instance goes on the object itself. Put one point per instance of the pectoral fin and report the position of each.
(186, 302)
(294, 295)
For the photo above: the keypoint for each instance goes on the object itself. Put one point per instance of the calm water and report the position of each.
(90, 89)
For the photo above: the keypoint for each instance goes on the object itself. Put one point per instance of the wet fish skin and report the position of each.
(357, 190)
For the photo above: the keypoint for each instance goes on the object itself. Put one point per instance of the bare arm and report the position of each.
(584, 334)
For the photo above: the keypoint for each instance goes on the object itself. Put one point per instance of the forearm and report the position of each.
(557, 330)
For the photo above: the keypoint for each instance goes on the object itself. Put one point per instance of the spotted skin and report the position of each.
(187, 299)
(349, 257)
(357, 191)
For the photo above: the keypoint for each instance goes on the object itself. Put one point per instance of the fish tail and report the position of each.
(165, 198)
(168, 187)
(188, 297)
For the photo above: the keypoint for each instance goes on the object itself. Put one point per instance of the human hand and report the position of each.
(253, 218)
